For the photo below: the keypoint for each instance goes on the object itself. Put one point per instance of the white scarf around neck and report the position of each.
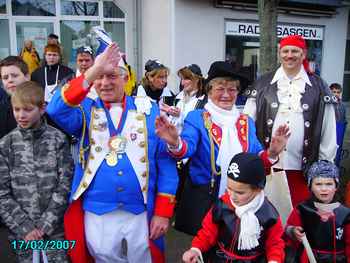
(250, 226)
(327, 207)
(230, 145)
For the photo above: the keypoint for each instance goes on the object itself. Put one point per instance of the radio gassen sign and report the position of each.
(241, 28)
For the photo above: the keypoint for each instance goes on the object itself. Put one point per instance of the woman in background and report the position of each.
(154, 84)
(192, 95)
(30, 56)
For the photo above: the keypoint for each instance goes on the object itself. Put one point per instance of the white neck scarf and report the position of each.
(230, 145)
(327, 207)
(250, 226)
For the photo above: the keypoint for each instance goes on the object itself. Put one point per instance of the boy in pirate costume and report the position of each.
(243, 225)
(323, 220)
(124, 185)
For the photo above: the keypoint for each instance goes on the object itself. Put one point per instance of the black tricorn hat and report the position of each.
(223, 69)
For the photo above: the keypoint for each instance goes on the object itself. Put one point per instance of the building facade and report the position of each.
(181, 32)
(70, 20)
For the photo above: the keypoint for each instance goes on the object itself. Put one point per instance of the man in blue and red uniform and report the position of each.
(124, 184)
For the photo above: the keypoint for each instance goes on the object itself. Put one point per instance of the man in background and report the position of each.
(293, 96)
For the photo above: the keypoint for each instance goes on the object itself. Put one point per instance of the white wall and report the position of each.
(335, 40)
(157, 32)
(200, 36)
(127, 6)
(200, 32)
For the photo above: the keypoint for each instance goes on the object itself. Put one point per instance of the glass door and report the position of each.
(35, 31)
(5, 39)
(75, 34)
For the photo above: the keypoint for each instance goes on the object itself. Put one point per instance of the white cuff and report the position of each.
(199, 254)
(86, 84)
(175, 149)
(273, 160)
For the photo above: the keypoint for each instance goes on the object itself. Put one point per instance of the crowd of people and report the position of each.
(93, 157)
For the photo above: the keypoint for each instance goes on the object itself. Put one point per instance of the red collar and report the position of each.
(108, 104)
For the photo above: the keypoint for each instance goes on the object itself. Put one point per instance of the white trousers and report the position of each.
(118, 236)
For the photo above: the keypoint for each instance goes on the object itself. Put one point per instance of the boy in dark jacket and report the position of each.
(52, 72)
(243, 226)
(14, 71)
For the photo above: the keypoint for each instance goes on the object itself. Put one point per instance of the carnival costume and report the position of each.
(123, 165)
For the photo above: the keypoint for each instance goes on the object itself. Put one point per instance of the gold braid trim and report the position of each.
(208, 125)
(82, 150)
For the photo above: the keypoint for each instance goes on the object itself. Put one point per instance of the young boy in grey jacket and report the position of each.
(35, 177)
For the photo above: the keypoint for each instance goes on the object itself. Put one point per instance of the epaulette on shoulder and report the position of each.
(330, 99)
(326, 93)
(252, 91)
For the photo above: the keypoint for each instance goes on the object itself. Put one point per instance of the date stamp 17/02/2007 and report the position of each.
(20, 244)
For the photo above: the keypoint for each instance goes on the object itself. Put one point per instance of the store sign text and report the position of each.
(253, 29)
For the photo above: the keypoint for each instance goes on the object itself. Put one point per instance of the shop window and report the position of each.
(2, 6)
(116, 31)
(5, 39)
(35, 31)
(75, 34)
(346, 81)
(347, 56)
(314, 55)
(243, 53)
(33, 8)
(110, 10)
(242, 45)
(79, 8)
(346, 87)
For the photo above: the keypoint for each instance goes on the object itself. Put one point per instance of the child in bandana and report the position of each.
(323, 220)
(243, 226)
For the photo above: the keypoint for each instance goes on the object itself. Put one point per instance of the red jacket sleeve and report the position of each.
(347, 242)
(74, 92)
(180, 153)
(293, 220)
(274, 243)
(266, 161)
(164, 205)
(207, 235)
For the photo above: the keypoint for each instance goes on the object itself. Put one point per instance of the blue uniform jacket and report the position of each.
(162, 175)
(195, 135)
